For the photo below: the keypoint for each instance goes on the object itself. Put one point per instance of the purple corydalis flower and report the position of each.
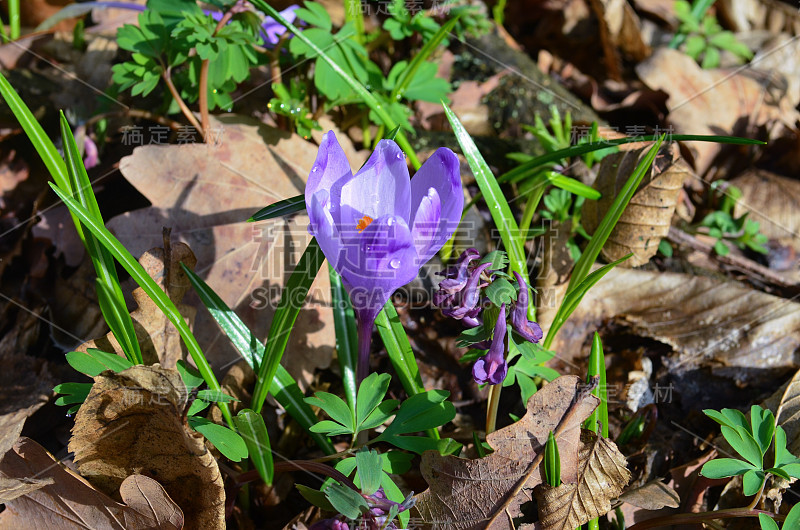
(377, 227)
(528, 329)
(463, 303)
(271, 30)
(456, 276)
(492, 367)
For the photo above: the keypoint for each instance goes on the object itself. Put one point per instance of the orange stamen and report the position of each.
(363, 223)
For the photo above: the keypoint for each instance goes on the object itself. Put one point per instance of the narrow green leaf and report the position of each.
(597, 368)
(344, 320)
(497, 203)
(252, 429)
(151, 288)
(284, 388)
(399, 349)
(421, 56)
(592, 250)
(215, 396)
(189, 374)
(94, 361)
(280, 209)
(552, 462)
(285, 316)
(574, 297)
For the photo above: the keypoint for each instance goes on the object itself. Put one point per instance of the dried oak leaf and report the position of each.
(205, 193)
(717, 101)
(721, 332)
(158, 338)
(131, 423)
(648, 216)
(67, 501)
(12, 487)
(602, 473)
(489, 492)
(654, 495)
(773, 201)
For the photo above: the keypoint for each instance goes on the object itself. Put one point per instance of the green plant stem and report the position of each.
(14, 19)
(203, 94)
(491, 408)
(689, 518)
(182, 104)
(354, 14)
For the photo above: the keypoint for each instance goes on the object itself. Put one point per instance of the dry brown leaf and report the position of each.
(773, 201)
(619, 30)
(602, 473)
(131, 423)
(553, 279)
(69, 502)
(648, 216)
(466, 494)
(11, 488)
(205, 193)
(652, 496)
(716, 328)
(159, 340)
(712, 101)
(772, 15)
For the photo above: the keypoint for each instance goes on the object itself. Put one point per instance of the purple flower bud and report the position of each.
(456, 276)
(330, 524)
(492, 367)
(528, 329)
(90, 154)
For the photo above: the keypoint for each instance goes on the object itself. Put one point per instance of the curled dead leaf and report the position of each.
(652, 496)
(602, 473)
(131, 423)
(488, 493)
(158, 338)
(66, 501)
(647, 218)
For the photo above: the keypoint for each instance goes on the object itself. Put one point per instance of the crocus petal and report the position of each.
(330, 167)
(324, 228)
(528, 329)
(442, 173)
(379, 188)
(426, 224)
(377, 262)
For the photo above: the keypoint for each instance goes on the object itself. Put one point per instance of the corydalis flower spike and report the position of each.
(492, 367)
(468, 297)
(528, 329)
(456, 276)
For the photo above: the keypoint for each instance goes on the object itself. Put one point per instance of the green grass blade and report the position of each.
(528, 168)
(285, 316)
(597, 367)
(400, 353)
(574, 297)
(360, 89)
(587, 259)
(151, 288)
(344, 320)
(281, 208)
(109, 291)
(408, 74)
(498, 205)
(253, 430)
(355, 14)
(14, 19)
(284, 388)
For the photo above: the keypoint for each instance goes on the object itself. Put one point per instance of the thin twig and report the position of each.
(688, 518)
(743, 264)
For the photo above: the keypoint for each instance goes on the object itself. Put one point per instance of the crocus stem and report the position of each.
(364, 343)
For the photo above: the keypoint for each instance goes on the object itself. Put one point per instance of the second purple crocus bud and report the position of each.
(492, 367)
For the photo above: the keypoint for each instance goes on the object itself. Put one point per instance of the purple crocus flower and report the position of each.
(528, 329)
(377, 227)
(492, 367)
